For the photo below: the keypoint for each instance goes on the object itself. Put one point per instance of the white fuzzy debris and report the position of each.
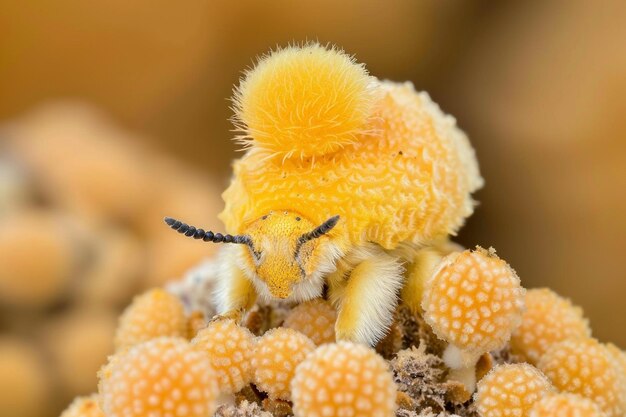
(196, 288)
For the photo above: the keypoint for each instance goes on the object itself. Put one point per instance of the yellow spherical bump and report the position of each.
(474, 301)
(276, 356)
(230, 348)
(37, 259)
(565, 405)
(547, 320)
(83, 163)
(586, 367)
(304, 101)
(619, 355)
(152, 314)
(409, 181)
(77, 344)
(84, 407)
(24, 383)
(344, 379)
(164, 376)
(116, 265)
(314, 319)
(511, 390)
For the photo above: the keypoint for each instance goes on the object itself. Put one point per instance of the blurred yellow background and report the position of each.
(114, 114)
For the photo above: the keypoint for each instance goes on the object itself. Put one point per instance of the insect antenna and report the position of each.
(207, 236)
(320, 230)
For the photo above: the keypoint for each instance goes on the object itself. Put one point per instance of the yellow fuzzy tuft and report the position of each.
(411, 180)
(304, 101)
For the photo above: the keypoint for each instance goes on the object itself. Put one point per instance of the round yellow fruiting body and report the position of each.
(78, 343)
(344, 379)
(619, 355)
(407, 179)
(230, 348)
(547, 320)
(108, 180)
(565, 405)
(276, 356)
(511, 390)
(113, 274)
(84, 407)
(586, 367)
(474, 301)
(24, 382)
(164, 376)
(37, 259)
(314, 319)
(152, 314)
(304, 101)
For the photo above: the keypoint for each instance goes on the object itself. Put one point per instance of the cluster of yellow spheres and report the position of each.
(170, 362)
(159, 369)
(164, 370)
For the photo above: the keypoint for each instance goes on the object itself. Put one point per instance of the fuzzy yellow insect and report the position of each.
(344, 180)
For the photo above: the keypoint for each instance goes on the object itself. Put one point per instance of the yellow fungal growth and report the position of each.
(164, 376)
(408, 178)
(230, 348)
(474, 301)
(314, 319)
(152, 314)
(304, 101)
(84, 407)
(37, 259)
(619, 355)
(276, 356)
(195, 323)
(511, 390)
(115, 269)
(586, 367)
(24, 384)
(344, 379)
(565, 405)
(77, 344)
(547, 320)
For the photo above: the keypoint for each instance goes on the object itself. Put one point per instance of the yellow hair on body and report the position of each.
(399, 172)
(304, 101)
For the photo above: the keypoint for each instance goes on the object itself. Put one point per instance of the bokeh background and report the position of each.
(115, 113)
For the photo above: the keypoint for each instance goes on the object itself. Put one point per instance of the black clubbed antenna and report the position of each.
(208, 236)
(320, 230)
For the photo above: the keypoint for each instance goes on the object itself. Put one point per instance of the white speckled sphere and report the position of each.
(230, 348)
(511, 390)
(344, 379)
(276, 356)
(164, 376)
(586, 367)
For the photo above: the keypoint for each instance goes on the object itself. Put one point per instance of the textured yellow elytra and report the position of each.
(401, 171)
